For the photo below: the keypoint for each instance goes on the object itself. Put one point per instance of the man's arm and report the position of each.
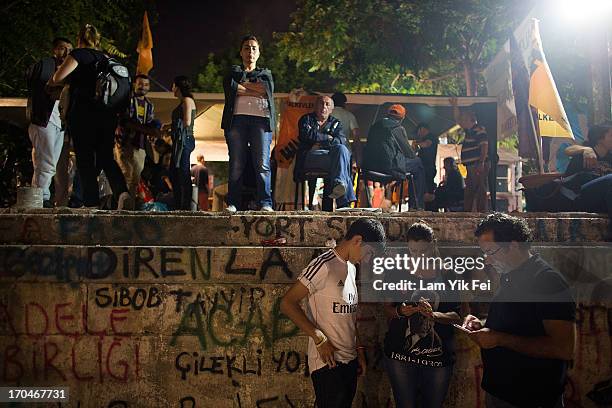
(309, 133)
(402, 141)
(557, 343)
(290, 306)
(589, 158)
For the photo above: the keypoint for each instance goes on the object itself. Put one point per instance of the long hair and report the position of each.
(184, 85)
(89, 36)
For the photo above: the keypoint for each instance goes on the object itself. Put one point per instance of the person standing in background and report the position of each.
(183, 142)
(248, 121)
(475, 157)
(91, 126)
(349, 124)
(45, 130)
(427, 143)
(199, 173)
(131, 140)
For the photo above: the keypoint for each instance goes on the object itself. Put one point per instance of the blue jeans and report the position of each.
(249, 134)
(408, 379)
(596, 196)
(336, 160)
(180, 177)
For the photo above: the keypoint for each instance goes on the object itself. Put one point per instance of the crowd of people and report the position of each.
(125, 159)
(129, 154)
(526, 342)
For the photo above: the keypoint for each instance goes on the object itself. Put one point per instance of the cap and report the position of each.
(397, 111)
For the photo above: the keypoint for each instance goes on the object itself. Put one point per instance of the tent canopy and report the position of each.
(434, 110)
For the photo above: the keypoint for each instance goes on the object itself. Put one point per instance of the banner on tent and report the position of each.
(292, 109)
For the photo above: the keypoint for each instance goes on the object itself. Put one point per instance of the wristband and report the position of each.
(320, 335)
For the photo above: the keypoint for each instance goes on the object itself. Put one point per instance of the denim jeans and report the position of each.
(180, 177)
(408, 379)
(596, 196)
(336, 160)
(249, 134)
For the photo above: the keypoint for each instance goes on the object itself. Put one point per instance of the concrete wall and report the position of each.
(152, 312)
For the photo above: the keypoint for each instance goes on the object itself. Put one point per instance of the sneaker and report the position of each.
(231, 208)
(338, 191)
(267, 208)
(125, 202)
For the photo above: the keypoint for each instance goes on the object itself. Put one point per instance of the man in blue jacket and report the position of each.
(323, 147)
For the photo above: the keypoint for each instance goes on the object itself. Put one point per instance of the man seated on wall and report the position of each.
(323, 148)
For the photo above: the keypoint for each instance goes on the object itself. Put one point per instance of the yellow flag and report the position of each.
(543, 93)
(145, 46)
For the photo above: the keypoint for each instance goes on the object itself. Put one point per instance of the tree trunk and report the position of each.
(471, 87)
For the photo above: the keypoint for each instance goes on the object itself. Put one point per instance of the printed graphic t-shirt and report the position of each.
(332, 306)
(418, 340)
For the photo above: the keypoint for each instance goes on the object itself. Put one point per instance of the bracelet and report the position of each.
(361, 347)
(320, 335)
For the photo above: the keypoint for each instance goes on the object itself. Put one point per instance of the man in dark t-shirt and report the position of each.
(528, 337)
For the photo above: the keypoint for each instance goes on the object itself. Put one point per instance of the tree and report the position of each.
(287, 75)
(27, 29)
(422, 46)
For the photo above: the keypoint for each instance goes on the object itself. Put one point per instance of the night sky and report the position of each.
(187, 31)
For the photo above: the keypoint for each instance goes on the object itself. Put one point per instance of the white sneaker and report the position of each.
(125, 202)
(267, 208)
(338, 191)
(231, 208)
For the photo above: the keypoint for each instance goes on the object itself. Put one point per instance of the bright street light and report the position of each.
(583, 10)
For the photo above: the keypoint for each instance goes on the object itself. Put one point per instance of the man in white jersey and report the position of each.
(328, 282)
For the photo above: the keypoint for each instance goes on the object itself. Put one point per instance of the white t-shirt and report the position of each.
(348, 120)
(332, 306)
(251, 105)
(55, 119)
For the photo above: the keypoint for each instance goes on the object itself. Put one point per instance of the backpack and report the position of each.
(113, 85)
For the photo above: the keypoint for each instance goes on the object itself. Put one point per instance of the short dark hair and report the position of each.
(450, 160)
(420, 231)
(143, 76)
(371, 231)
(597, 132)
(339, 99)
(58, 40)
(505, 228)
(249, 38)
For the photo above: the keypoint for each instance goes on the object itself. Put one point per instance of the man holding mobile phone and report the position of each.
(529, 335)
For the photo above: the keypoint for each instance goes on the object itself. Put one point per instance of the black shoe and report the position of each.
(47, 204)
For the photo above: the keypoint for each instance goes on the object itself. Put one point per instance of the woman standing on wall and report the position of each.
(248, 122)
(183, 142)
